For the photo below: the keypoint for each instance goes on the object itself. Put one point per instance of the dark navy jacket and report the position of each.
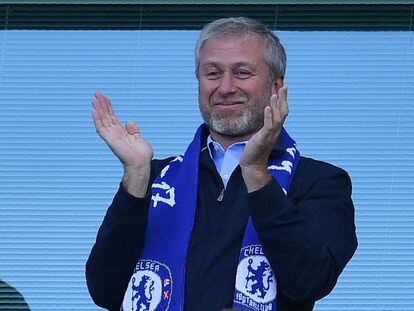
(308, 236)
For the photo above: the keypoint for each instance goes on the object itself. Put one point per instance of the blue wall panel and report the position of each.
(351, 100)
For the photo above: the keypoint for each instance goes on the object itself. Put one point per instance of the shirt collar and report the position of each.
(276, 151)
(216, 150)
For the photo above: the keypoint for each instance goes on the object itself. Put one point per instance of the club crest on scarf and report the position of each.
(161, 190)
(149, 288)
(255, 281)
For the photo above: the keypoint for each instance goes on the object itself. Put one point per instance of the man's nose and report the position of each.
(227, 84)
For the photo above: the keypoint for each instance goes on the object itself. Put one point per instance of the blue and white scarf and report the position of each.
(158, 281)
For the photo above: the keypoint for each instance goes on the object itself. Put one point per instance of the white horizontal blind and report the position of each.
(351, 100)
(352, 103)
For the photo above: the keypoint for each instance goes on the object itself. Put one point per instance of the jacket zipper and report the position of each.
(220, 197)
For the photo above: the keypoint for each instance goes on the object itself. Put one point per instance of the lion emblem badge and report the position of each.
(255, 281)
(149, 288)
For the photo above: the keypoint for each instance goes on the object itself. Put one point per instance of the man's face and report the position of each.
(234, 85)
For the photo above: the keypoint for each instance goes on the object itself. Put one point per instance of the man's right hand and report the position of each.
(127, 144)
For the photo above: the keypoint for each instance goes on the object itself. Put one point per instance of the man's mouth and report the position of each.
(229, 103)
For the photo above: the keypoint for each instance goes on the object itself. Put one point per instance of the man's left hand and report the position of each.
(254, 159)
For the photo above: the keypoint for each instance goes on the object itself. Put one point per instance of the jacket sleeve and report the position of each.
(118, 245)
(309, 237)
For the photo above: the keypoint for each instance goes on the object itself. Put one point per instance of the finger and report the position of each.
(264, 136)
(97, 122)
(98, 112)
(101, 115)
(283, 103)
(96, 103)
(111, 109)
(104, 101)
(268, 119)
(107, 107)
(108, 104)
(274, 108)
(273, 100)
(100, 104)
(101, 97)
(97, 115)
(132, 129)
(99, 107)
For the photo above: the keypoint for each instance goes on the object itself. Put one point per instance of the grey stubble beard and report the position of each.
(250, 121)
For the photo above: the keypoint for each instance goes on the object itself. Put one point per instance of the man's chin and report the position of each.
(232, 126)
(231, 131)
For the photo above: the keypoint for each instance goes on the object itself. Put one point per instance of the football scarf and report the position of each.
(158, 281)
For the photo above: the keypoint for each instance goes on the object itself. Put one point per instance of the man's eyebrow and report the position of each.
(243, 63)
(234, 65)
(209, 63)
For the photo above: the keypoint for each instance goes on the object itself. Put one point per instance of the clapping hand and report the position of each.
(127, 144)
(254, 159)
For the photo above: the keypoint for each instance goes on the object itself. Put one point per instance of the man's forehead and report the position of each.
(249, 39)
(242, 49)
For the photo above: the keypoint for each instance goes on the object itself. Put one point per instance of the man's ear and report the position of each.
(277, 85)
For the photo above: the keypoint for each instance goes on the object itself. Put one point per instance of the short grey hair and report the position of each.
(275, 55)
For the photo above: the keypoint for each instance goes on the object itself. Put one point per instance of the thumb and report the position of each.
(132, 128)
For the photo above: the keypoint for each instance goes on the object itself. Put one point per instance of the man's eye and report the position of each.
(242, 74)
(213, 74)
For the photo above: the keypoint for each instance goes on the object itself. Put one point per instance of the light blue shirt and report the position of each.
(225, 160)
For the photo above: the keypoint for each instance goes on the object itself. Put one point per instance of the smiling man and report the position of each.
(240, 220)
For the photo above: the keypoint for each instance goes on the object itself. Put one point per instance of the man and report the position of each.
(241, 219)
